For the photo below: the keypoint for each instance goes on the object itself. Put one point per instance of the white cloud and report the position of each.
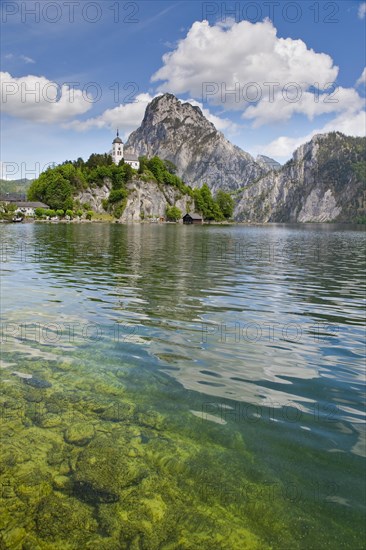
(362, 10)
(38, 99)
(27, 59)
(362, 79)
(240, 53)
(265, 73)
(126, 117)
(351, 125)
(281, 109)
(24, 58)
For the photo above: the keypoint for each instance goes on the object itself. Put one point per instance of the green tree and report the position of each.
(225, 203)
(157, 167)
(89, 214)
(128, 172)
(40, 212)
(117, 195)
(53, 189)
(206, 205)
(173, 213)
(170, 167)
(99, 160)
(60, 213)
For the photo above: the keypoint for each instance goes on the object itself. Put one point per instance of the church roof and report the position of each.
(130, 157)
(117, 139)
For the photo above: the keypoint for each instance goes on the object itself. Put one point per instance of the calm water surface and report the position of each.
(182, 387)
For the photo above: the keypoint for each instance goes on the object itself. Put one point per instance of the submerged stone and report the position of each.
(104, 470)
(79, 434)
(92, 494)
(60, 518)
(37, 383)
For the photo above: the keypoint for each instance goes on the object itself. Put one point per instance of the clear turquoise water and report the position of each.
(192, 387)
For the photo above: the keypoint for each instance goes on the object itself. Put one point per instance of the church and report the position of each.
(117, 154)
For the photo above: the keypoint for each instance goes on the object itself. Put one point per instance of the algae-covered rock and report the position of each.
(37, 383)
(60, 518)
(117, 412)
(150, 419)
(12, 538)
(103, 469)
(146, 522)
(62, 483)
(79, 434)
(50, 421)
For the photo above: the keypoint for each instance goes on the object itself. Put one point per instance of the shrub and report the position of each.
(40, 212)
(116, 195)
(173, 213)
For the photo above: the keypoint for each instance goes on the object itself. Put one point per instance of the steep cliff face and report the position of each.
(179, 132)
(145, 199)
(267, 163)
(148, 199)
(324, 181)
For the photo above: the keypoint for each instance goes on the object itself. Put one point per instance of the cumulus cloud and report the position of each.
(283, 108)
(362, 10)
(246, 66)
(350, 125)
(38, 99)
(126, 117)
(362, 80)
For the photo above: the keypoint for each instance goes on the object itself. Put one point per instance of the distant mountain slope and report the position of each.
(14, 186)
(267, 163)
(324, 181)
(179, 132)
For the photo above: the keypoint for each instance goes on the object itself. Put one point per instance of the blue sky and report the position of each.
(296, 68)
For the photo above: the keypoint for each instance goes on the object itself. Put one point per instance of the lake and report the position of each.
(176, 387)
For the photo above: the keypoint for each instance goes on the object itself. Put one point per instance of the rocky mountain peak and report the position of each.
(179, 132)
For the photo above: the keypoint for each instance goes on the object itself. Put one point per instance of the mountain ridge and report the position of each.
(180, 133)
(319, 183)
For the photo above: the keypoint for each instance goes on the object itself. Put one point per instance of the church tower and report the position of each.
(117, 149)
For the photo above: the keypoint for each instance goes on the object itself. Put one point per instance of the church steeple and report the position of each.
(117, 139)
(117, 149)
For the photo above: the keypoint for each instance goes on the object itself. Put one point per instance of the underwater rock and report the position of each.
(79, 434)
(13, 538)
(92, 495)
(103, 470)
(150, 419)
(50, 421)
(118, 412)
(60, 518)
(37, 383)
(21, 375)
(62, 483)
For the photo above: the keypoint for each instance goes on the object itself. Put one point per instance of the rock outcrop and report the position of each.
(146, 199)
(324, 181)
